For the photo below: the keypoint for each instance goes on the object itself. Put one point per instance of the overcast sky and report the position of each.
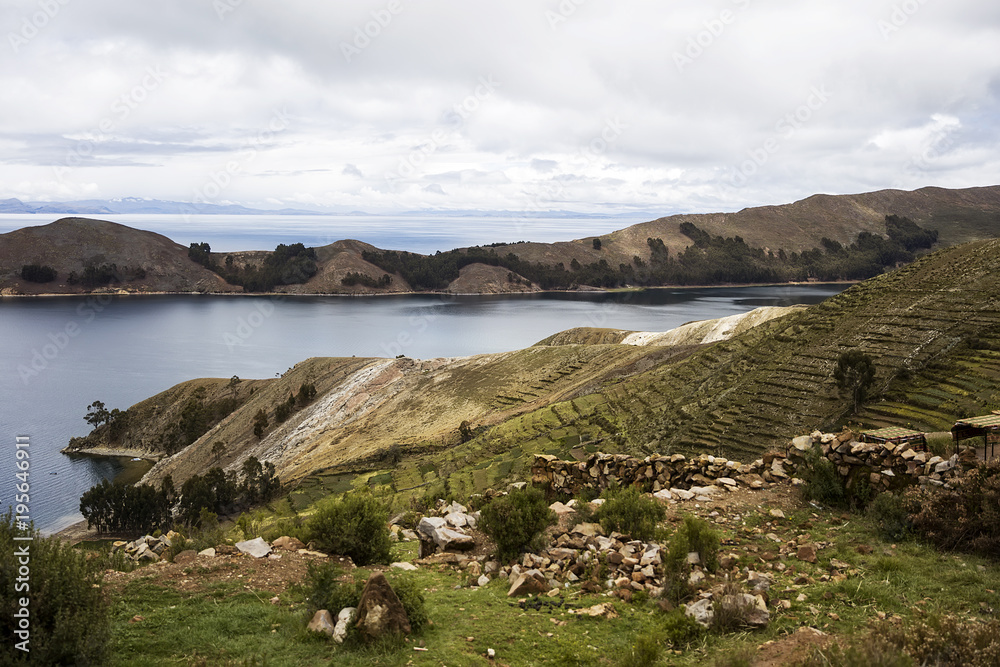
(583, 105)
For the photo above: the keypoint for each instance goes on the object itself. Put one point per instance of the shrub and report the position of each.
(694, 535)
(680, 630)
(68, 611)
(631, 512)
(645, 651)
(325, 588)
(354, 525)
(966, 518)
(704, 540)
(890, 516)
(516, 520)
(731, 610)
(869, 653)
(822, 482)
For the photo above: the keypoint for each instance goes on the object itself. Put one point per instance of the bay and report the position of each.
(59, 354)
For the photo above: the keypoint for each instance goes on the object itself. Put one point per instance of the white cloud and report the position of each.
(496, 102)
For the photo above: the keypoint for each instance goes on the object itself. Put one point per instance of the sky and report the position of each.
(641, 107)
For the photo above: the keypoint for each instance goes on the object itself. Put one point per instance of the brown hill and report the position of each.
(71, 244)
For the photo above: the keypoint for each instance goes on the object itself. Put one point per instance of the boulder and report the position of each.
(288, 543)
(406, 567)
(807, 553)
(344, 619)
(380, 613)
(210, 552)
(321, 622)
(257, 547)
(701, 611)
(527, 583)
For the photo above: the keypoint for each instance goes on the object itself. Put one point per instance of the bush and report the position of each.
(631, 512)
(680, 630)
(645, 651)
(68, 611)
(966, 518)
(516, 520)
(890, 516)
(731, 610)
(326, 589)
(694, 535)
(354, 525)
(822, 482)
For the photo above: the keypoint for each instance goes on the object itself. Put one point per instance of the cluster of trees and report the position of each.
(285, 409)
(38, 273)
(105, 274)
(287, 265)
(708, 260)
(354, 278)
(112, 507)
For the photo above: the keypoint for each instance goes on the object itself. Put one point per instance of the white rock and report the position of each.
(257, 547)
(408, 567)
(344, 619)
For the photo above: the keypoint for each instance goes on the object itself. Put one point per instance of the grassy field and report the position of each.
(220, 613)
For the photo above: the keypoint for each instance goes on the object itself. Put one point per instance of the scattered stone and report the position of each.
(777, 514)
(406, 567)
(807, 553)
(210, 552)
(288, 543)
(257, 547)
(344, 620)
(321, 622)
(528, 583)
(701, 611)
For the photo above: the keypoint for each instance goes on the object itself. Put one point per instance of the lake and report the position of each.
(60, 354)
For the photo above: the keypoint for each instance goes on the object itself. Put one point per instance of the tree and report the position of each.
(97, 414)
(260, 423)
(855, 373)
(597, 244)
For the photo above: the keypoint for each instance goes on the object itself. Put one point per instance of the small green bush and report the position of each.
(645, 652)
(326, 588)
(730, 610)
(890, 516)
(69, 614)
(703, 539)
(354, 525)
(631, 512)
(822, 482)
(680, 630)
(516, 520)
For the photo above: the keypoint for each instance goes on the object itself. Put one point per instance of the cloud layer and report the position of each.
(581, 105)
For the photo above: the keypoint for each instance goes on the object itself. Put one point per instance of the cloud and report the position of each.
(508, 106)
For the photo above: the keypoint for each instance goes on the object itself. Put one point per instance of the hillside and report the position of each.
(144, 261)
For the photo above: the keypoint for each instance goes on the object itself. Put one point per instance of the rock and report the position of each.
(186, 557)
(561, 509)
(604, 610)
(527, 583)
(256, 547)
(344, 619)
(407, 567)
(752, 608)
(482, 580)
(682, 494)
(807, 553)
(226, 550)
(803, 443)
(696, 577)
(701, 611)
(588, 529)
(210, 552)
(664, 495)
(435, 529)
(321, 622)
(288, 543)
(777, 514)
(145, 553)
(380, 613)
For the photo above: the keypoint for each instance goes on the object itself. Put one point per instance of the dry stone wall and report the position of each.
(883, 466)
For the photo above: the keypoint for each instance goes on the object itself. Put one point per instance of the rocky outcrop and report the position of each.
(380, 613)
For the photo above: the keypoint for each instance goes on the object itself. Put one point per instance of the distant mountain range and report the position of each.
(150, 262)
(137, 205)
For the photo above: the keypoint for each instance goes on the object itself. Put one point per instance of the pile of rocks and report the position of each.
(746, 609)
(448, 531)
(379, 613)
(146, 549)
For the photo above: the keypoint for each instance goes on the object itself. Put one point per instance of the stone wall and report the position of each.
(883, 466)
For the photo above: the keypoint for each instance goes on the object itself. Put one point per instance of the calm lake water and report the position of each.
(57, 355)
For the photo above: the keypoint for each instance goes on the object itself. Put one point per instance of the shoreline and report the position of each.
(596, 290)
